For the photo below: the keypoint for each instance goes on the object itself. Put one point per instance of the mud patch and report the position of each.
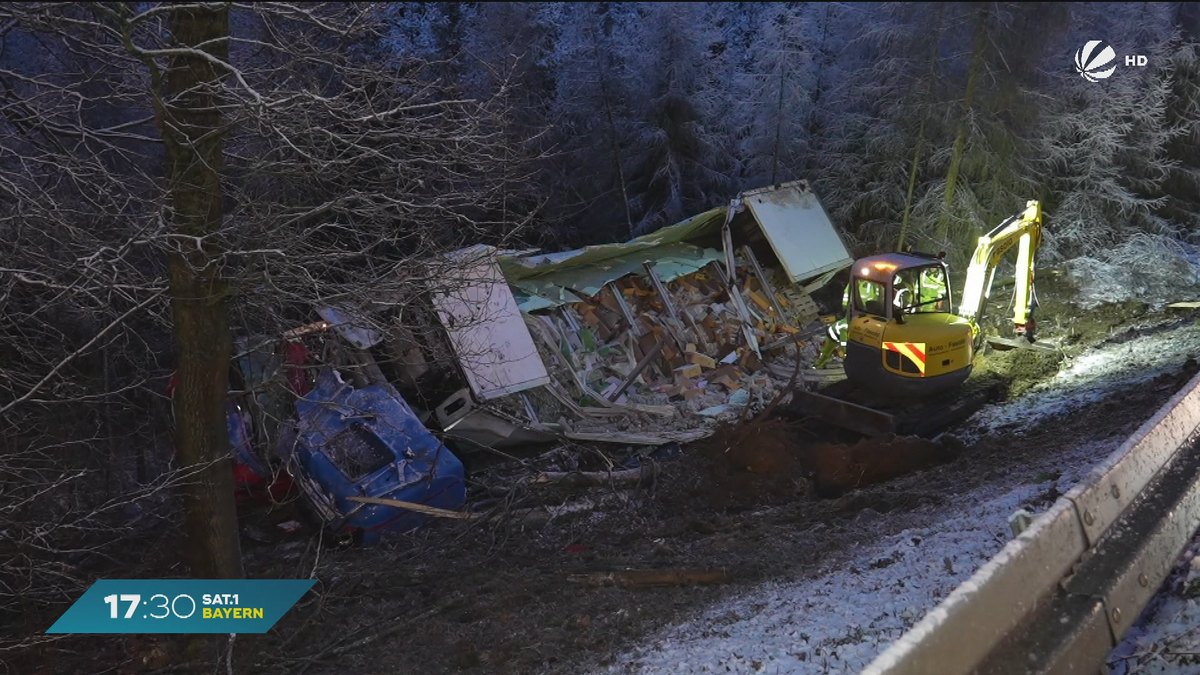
(1094, 326)
(1019, 369)
(838, 468)
(1073, 330)
(744, 466)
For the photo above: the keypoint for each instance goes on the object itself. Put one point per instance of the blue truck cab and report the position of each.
(366, 442)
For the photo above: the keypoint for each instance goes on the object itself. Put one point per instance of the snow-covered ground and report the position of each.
(838, 619)
(1121, 273)
(1090, 377)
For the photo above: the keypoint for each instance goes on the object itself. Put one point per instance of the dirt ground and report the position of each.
(487, 597)
(488, 601)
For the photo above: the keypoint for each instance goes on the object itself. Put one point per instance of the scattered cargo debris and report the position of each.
(654, 340)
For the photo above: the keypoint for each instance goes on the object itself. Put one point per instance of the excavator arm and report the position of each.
(1024, 231)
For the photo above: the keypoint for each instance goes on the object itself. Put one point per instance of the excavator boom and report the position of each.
(1024, 231)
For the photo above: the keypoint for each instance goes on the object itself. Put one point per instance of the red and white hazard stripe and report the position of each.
(913, 350)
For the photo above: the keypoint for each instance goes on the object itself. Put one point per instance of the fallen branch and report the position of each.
(637, 370)
(416, 508)
(630, 438)
(640, 578)
(540, 516)
(398, 624)
(646, 474)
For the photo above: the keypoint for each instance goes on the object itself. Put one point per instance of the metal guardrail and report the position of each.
(1059, 597)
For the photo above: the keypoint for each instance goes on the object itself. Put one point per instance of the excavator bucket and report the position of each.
(1002, 344)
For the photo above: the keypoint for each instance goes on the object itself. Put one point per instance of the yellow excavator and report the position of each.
(901, 336)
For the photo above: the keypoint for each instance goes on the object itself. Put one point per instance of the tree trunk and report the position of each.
(814, 124)
(912, 174)
(190, 124)
(613, 144)
(778, 121)
(961, 139)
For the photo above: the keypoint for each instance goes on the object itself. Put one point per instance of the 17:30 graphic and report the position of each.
(112, 606)
(168, 606)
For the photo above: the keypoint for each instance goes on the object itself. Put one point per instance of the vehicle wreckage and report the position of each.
(648, 342)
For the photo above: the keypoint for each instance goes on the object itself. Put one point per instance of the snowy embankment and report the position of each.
(839, 618)
(1090, 377)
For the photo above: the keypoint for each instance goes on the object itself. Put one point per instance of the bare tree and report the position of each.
(248, 163)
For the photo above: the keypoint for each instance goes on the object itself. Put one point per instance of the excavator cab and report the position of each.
(902, 339)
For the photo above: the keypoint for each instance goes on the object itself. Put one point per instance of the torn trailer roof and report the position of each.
(788, 217)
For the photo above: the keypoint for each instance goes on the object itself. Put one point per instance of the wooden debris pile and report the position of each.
(644, 355)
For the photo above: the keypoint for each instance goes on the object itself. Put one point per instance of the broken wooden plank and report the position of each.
(701, 334)
(662, 290)
(750, 362)
(416, 508)
(637, 370)
(762, 302)
(768, 290)
(625, 312)
(539, 516)
(727, 382)
(631, 438)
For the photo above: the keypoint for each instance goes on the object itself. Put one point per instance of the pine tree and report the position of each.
(875, 109)
(1102, 146)
(671, 167)
(586, 175)
(773, 97)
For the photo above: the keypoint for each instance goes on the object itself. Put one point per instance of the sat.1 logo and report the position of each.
(1096, 61)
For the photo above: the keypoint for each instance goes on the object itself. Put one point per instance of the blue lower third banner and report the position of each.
(182, 606)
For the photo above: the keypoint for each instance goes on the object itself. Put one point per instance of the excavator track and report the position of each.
(855, 408)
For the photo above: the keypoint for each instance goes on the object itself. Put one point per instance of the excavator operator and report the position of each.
(904, 288)
(920, 291)
(933, 290)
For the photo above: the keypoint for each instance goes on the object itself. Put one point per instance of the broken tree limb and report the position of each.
(631, 438)
(641, 578)
(539, 516)
(398, 624)
(637, 370)
(416, 508)
(643, 475)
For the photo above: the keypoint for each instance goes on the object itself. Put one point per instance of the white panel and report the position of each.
(487, 332)
(799, 230)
